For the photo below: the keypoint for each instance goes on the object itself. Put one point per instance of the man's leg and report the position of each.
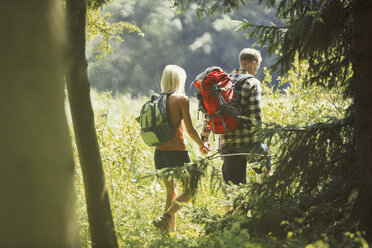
(234, 169)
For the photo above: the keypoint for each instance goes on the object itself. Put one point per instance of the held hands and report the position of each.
(205, 148)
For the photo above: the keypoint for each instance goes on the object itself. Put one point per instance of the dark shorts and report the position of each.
(234, 167)
(170, 159)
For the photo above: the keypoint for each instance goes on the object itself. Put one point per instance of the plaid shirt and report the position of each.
(249, 94)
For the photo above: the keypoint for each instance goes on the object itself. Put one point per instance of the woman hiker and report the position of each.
(174, 153)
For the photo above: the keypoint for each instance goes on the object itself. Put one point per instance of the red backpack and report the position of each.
(218, 100)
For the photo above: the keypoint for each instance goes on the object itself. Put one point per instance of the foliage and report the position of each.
(102, 31)
(209, 7)
(321, 104)
(95, 4)
(312, 190)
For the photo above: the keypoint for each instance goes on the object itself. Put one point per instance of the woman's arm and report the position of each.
(190, 128)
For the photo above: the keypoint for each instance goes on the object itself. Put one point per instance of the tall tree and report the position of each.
(98, 204)
(36, 172)
(335, 37)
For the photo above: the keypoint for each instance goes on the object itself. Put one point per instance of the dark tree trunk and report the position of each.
(362, 66)
(36, 160)
(98, 204)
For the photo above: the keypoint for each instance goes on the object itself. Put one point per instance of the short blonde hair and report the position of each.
(173, 79)
(250, 54)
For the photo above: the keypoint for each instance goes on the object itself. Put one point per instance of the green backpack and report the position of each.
(156, 128)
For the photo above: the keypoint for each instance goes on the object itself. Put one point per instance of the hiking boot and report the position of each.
(163, 221)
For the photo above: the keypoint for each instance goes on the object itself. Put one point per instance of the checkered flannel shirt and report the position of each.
(249, 94)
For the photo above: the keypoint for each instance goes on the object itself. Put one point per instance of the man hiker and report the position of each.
(242, 139)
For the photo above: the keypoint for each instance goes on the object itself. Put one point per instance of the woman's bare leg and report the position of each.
(183, 197)
(171, 188)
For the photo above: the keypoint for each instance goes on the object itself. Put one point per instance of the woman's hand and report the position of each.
(205, 148)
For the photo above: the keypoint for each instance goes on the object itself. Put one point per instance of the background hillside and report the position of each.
(136, 65)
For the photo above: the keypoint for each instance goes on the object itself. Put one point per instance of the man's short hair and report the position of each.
(250, 54)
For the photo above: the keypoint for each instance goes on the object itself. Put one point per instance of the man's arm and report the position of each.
(206, 129)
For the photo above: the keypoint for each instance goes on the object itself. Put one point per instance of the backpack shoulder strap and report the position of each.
(164, 106)
(154, 96)
(242, 78)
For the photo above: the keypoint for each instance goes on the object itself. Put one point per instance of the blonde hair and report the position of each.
(173, 78)
(250, 54)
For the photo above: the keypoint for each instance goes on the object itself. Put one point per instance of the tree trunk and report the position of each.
(36, 161)
(98, 204)
(362, 42)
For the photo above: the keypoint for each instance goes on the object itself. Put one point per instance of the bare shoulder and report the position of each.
(180, 97)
